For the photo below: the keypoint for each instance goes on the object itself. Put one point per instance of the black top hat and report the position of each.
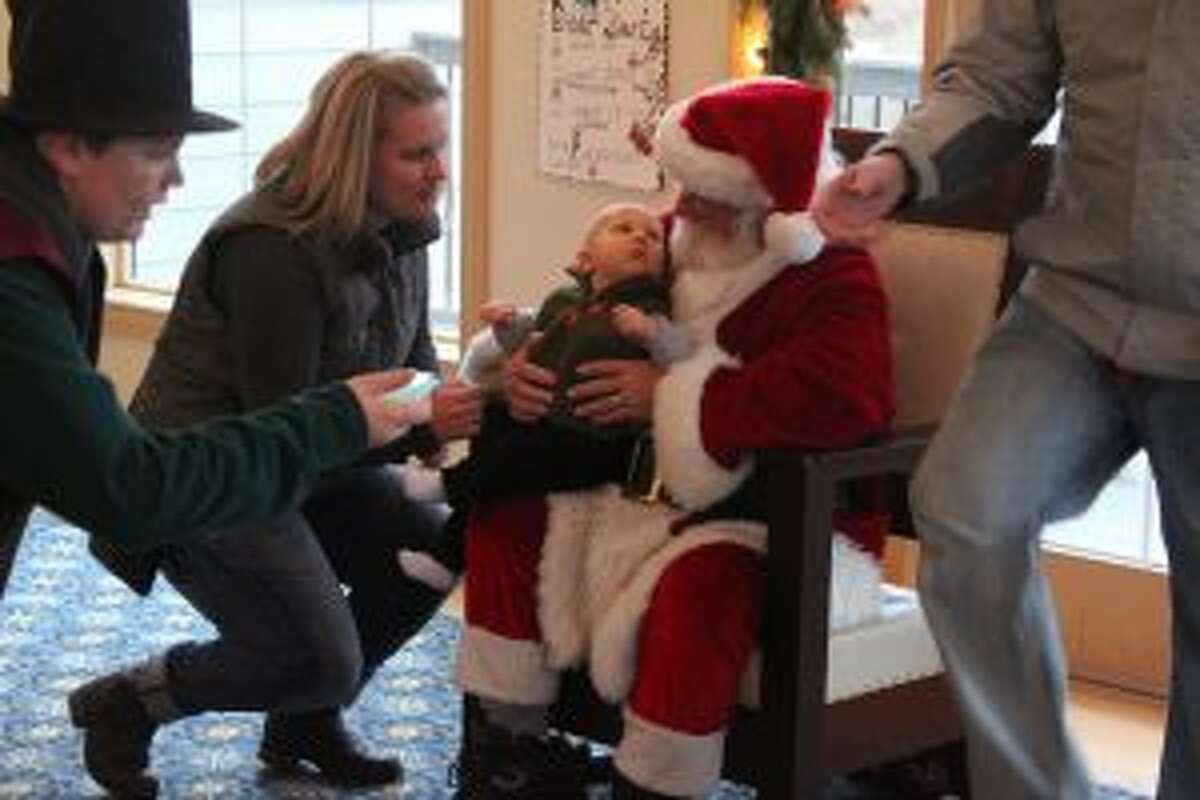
(104, 66)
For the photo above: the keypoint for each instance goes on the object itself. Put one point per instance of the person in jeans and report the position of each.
(320, 271)
(1097, 356)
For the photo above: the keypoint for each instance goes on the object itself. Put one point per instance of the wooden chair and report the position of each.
(949, 269)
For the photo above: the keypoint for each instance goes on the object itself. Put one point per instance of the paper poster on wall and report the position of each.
(603, 69)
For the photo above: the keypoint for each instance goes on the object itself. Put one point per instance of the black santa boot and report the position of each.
(496, 764)
(320, 738)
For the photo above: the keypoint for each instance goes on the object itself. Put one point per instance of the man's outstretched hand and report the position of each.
(850, 209)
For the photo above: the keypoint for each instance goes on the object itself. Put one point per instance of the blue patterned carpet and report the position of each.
(64, 620)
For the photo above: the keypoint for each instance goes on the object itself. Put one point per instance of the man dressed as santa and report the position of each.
(662, 600)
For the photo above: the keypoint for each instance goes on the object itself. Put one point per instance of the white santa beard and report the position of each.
(706, 264)
(699, 249)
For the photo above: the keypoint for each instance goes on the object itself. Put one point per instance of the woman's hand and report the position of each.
(457, 411)
(612, 391)
(528, 389)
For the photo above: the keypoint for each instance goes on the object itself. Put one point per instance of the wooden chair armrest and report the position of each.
(802, 490)
(896, 452)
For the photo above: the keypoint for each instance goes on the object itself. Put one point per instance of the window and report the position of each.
(881, 70)
(256, 61)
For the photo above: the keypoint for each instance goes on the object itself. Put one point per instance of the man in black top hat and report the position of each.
(89, 138)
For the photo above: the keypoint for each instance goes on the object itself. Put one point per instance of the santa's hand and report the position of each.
(528, 389)
(850, 209)
(613, 391)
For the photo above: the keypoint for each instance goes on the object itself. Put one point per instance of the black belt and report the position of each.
(642, 482)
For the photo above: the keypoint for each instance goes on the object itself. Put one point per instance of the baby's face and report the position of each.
(627, 243)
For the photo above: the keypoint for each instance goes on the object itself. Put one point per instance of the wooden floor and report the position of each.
(1121, 734)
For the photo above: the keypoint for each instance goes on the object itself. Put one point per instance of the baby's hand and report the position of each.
(633, 323)
(497, 312)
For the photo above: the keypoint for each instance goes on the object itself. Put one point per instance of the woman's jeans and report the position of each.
(307, 605)
(1040, 424)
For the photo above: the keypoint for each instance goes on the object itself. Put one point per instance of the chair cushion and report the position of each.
(944, 284)
(892, 649)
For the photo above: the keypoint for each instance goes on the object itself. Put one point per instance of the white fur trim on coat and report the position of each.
(614, 643)
(560, 575)
(693, 477)
(595, 540)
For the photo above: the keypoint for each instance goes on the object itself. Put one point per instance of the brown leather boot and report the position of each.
(320, 738)
(117, 731)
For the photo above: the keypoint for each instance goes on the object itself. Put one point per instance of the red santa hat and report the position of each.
(760, 142)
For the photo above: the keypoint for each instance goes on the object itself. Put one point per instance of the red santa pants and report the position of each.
(695, 640)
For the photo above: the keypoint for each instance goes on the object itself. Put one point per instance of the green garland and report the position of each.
(806, 38)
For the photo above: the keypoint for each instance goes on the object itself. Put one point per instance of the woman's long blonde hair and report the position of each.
(320, 172)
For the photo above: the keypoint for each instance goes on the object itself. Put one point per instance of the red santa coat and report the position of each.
(787, 355)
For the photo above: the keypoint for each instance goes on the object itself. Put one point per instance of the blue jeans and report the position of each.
(307, 605)
(1040, 424)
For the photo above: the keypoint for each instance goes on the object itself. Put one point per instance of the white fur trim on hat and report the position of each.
(711, 173)
(693, 478)
(794, 237)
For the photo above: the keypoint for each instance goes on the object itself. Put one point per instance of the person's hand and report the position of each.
(528, 389)
(497, 312)
(633, 323)
(457, 410)
(615, 390)
(850, 209)
(386, 419)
